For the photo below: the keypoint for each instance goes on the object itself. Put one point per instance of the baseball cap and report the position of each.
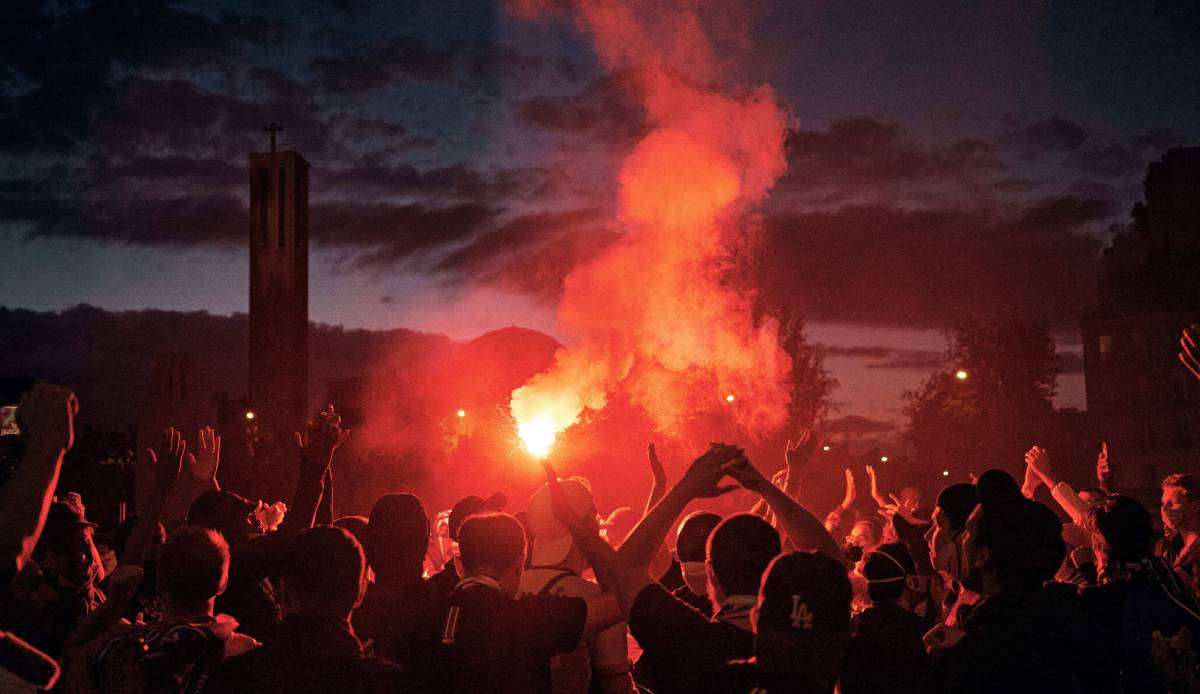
(804, 594)
(551, 540)
(469, 506)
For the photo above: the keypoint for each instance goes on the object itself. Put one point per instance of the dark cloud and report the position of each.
(531, 253)
(364, 68)
(886, 265)
(879, 357)
(854, 424)
(859, 152)
(1050, 135)
(393, 233)
(1106, 161)
(605, 109)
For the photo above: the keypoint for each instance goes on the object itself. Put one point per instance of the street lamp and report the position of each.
(961, 375)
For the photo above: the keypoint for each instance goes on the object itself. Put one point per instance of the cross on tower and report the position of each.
(272, 128)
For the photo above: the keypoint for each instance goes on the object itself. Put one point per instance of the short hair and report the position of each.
(397, 533)
(1024, 542)
(886, 568)
(355, 525)
(1184, 481)
(739, 549)
(692, 542)
(323, 568)
(494, 540)
(997, 486)
(956, 502)
(193, 565)
(1124, 526)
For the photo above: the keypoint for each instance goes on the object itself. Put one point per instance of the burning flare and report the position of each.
(651, 314)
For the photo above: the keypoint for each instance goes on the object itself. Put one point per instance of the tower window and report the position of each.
(264, 186)
(282, 202)
(1105, 345)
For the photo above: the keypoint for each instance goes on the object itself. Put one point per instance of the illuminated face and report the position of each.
(1179, 510)
(76, 562)
(863, 535)
(944, 550)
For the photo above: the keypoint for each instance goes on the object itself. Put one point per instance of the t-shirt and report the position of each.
(605, 653)
(477, 639)
(681, 645)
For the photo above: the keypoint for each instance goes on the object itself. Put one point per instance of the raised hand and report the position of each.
(203, 467)
(560, 506)
(1030, 485)
(1189, 352)
(46, 415)
(742, 470)
(874, 482)
(1039, 460)
(164, 464)
(797, 454)
(319, 440)
(656, 466)
(851, 492)
(1103, 467)
(702, 475)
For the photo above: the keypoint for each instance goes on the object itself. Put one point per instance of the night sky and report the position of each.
(944, 162)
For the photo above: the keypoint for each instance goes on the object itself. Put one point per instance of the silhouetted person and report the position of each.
(886, 652)
(323, 578)
(396, 535)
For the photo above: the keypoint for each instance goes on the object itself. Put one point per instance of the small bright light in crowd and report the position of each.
(961, 375)
(945, 473)
(824, 448)
(729, 398)
(249, 415)
(462, 413)
(883, 458)
(537, 436)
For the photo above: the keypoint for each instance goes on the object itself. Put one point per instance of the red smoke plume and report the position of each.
(650, 315)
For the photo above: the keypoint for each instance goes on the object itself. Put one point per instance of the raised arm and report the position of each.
(315, 447)
(796, 456)
(159, 472)
(1189, 349)
(1104, 471)
(699, 481)
(1038, 459)
(874, 482)
(46, 416)
(802, 528)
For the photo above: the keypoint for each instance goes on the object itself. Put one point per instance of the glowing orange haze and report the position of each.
(650, 315)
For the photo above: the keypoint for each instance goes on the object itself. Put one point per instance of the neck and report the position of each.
(173, 612)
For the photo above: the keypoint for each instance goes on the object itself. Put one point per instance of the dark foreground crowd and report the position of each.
(986, 590)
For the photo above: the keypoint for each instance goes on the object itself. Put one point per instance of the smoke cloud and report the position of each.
(650, 315)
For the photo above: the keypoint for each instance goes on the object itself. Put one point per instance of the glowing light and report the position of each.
(249, 415)
(729, 398)
(825, 448)
(537, 436)
(961, 375)
(945, 473)
(462, 413)
(883, 458)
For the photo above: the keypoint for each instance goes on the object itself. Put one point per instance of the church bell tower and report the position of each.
(278, 359)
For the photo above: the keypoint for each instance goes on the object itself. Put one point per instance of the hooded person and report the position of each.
(601, 661)
(948, 522)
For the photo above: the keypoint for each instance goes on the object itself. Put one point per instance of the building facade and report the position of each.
(1138, 394)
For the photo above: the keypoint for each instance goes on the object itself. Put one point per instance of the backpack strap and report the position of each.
(553, 582)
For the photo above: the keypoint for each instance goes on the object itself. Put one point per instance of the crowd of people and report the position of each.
(984, 590)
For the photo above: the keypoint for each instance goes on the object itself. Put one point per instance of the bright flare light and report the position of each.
(961, 375)
(462, 413)
(729, 398)
(537, 435)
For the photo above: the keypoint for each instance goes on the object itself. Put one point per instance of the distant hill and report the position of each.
(108, 357)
